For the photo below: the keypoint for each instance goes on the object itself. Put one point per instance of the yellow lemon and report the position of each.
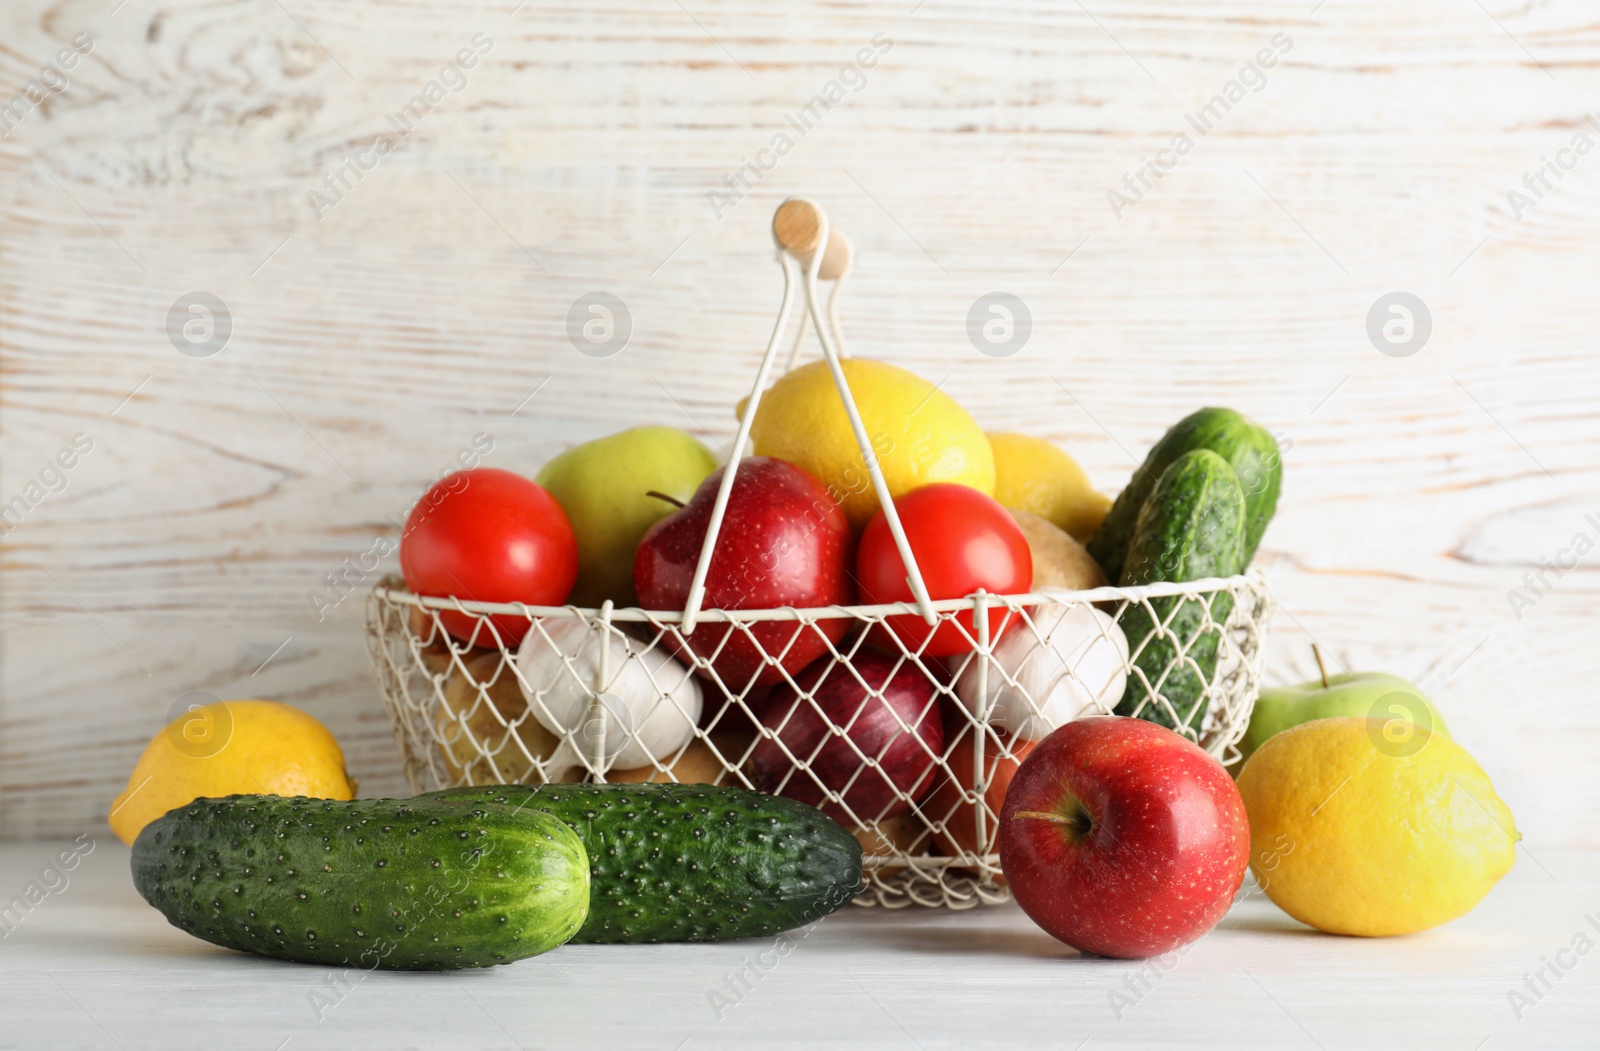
(1031, 474)
(230, 747)
(919, 433)
(1358, 829)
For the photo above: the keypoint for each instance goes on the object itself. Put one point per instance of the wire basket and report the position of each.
(910, 752)
(531, 713)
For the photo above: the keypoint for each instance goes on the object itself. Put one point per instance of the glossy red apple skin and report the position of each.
(896, 722)
(1150, 845)
(784, 542)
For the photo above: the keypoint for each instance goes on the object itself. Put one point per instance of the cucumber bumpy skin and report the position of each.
(685, 863)
(370, 883)
(1247, 446)
(1191, 527)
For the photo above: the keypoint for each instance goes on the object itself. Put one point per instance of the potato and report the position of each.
(493, 725)
(1058, 560)
(903, 833)
(698, 765)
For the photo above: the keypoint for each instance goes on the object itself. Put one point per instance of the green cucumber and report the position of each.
(1250, 451)
(1192, 526)
(392, 883)
(690, 863)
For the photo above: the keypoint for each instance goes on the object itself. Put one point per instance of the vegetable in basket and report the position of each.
(488, 535)
(647, 708)
(1250, 451)
(1192, 527)
(962, 541)
(1204, 520)
(875, 708)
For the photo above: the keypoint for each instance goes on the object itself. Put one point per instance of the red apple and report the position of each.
(1121, 838)
(784, 542)
(875, 712)
(949, 802)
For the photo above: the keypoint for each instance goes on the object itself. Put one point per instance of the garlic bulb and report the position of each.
(1072, 662)
(646, 710)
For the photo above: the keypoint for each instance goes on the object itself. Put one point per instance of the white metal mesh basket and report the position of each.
(572, 710)
(910, 752)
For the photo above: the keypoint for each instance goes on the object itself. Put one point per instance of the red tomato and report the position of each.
(489, 535)
(963, 540)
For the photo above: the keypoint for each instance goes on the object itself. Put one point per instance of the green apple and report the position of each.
(1370, 694)
(603, 485)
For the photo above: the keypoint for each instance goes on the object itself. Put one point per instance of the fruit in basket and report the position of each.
(1369, 694)
(1033, 475)
(487, 735)
(698, 765)
(875, 707)
(1358, 830)
(962, 541)
(955, 801)
(919, 433)
(226, 747)
(408, 884)
(1059, 561)
(721, 862)
(647, 707)
(1070, 661)
(488, 535)
(603, 486)
(1122, 838)
(1250, 451)
(784, 542)
(1192, 527)
(904, 835)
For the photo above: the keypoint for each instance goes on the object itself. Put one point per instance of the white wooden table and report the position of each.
(94, 967)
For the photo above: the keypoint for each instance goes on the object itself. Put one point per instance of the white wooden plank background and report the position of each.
(369, 346)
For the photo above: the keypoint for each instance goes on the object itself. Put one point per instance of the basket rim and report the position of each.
(391, 589)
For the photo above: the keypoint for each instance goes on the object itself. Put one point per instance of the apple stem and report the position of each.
(674, 501)
(1316, 651)
(1077, 822)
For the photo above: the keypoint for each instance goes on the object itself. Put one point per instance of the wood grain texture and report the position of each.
(372, 341)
